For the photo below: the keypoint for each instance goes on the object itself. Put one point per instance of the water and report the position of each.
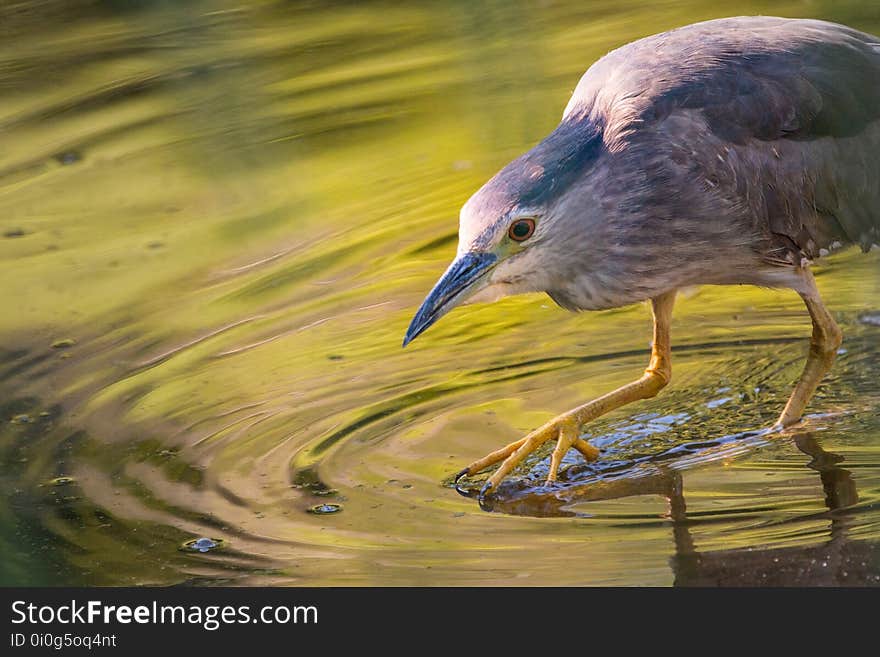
(217, 221)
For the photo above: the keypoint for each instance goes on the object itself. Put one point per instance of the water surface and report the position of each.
(216, 221)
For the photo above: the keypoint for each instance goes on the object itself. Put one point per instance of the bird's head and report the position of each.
(515, 233)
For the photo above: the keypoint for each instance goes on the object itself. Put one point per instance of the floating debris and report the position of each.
(308, 480)
(63, 344)
(324, 492)
(22, 418)
(63, 480)
(202, 544)
(14, 232)
(326, 508)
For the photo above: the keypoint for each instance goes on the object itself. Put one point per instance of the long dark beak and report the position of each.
(451, 289)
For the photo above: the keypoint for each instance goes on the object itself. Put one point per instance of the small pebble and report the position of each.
(325, 508)
(202, 544)
(68, 157)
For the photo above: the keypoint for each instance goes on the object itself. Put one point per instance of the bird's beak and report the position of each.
(457, 283)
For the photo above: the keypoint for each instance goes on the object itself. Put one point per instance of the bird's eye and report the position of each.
(521, 229)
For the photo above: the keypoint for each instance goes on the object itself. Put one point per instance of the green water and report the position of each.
(223, 217)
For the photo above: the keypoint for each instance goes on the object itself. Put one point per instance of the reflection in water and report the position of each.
(841, 559)
(216, 219)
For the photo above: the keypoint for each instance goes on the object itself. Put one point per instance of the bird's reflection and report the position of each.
(838, 561)
(841, 560)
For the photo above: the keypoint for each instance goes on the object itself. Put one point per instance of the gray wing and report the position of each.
(768, 79)
(796, 104)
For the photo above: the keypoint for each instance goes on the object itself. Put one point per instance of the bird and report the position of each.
(735, 151)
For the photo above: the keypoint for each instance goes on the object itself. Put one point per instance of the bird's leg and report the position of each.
(824, 343)
(566, 427)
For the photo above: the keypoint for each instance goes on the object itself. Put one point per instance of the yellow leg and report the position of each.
(589, 452)
(824, 343)
(566, 427)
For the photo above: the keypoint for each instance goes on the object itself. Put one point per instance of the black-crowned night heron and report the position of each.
(734, 151)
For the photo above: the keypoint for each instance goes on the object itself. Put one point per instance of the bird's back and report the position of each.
(777, 119)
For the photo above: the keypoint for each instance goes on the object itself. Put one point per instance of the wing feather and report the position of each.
(808, 90)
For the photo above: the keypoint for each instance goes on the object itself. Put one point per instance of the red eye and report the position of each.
(521, 229)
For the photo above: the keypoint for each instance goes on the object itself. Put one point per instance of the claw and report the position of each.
(485, 489)
(464, 492)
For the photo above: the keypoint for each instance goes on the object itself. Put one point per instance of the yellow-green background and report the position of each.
(223, 216)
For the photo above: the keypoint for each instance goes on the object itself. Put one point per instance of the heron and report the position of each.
(735, 151)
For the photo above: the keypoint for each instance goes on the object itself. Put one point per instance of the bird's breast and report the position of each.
(593, 293)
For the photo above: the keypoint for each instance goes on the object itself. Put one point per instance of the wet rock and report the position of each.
(63, 344)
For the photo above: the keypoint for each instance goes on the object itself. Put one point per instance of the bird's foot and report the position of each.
(564, 428)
